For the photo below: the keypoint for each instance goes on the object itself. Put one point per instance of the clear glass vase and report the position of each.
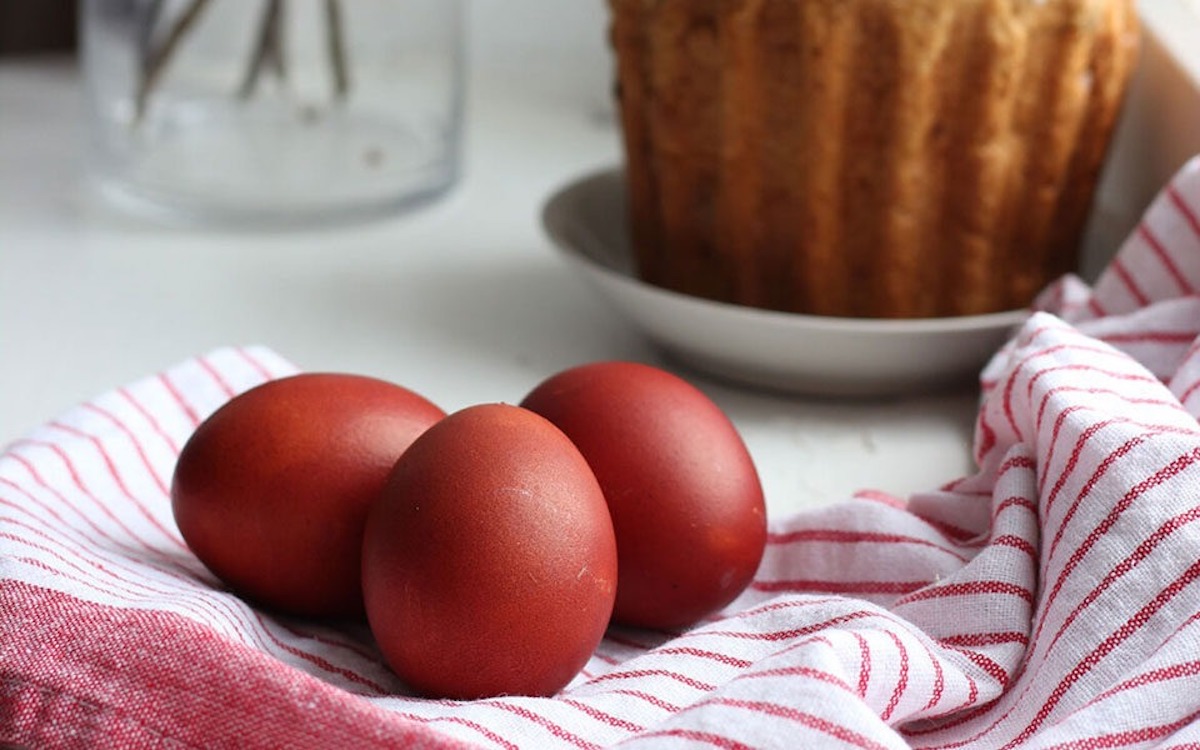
(273, 111)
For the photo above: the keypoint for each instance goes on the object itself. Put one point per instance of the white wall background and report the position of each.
(570, 30)
(569, 37)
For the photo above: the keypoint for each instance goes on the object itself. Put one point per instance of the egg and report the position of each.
(271, 491)
(684, 495)
(489, 561)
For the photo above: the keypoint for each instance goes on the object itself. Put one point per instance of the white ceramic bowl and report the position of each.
(803, 354)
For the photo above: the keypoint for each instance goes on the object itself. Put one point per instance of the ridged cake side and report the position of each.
(879, 158)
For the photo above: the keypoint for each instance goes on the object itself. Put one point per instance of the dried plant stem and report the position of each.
(147, 23)
(335, 36)
(268, 50)
(157, 59)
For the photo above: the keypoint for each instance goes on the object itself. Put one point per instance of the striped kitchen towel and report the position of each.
(1049, 599)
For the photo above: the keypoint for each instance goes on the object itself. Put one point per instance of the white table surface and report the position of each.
(463, 301)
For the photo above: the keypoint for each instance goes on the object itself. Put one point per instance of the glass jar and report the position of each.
(277, 111)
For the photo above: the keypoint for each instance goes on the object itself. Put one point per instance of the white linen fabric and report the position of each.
(1051, 599)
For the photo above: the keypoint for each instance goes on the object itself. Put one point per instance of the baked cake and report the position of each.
(869, 158)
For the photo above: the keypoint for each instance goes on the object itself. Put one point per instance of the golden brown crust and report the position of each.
(887, 158)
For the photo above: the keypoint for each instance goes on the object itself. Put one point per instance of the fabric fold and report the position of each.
(1049, 599)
